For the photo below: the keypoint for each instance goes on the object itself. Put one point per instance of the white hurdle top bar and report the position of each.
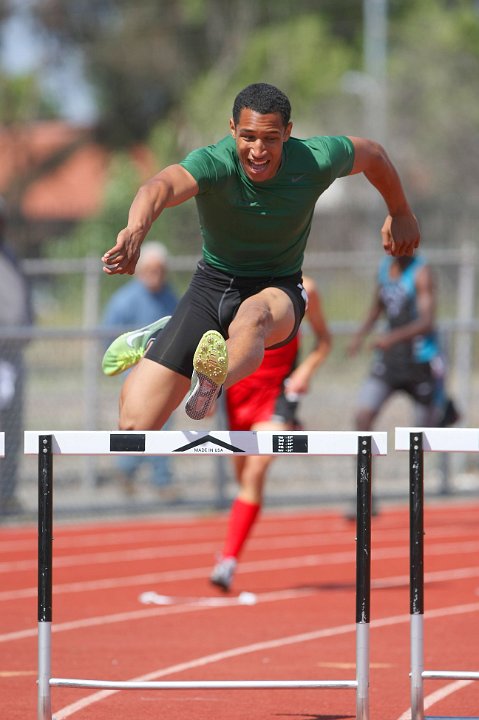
(440, 439)
(2, 444)
(199, 442)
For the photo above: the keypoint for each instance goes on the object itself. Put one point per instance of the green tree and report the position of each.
(22, 100)
(165, 72)
(143, 59)
(270, 52)
(300, 55)
(434, 103)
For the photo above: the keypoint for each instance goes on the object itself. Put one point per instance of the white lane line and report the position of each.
(175, 576)
(180, 550)
(332, 532)
(165, 550)
(122, 556)
(161, 534)
(128, 616)
(71, 709)
(252, 566)
(436, 576)
(141, 614)
(439, 695)
(322, 537)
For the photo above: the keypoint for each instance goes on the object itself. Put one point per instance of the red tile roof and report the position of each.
(65, 169)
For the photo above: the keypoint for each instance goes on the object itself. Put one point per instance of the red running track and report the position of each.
(301, 568)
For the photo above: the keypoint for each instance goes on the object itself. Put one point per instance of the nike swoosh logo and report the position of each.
(131, 338)
(297, 178)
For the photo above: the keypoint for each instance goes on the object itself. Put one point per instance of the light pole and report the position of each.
(375, 55)
(370, 83)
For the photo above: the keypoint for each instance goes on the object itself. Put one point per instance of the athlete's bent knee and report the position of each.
(128, 422)
(133, 418)
(252, 317)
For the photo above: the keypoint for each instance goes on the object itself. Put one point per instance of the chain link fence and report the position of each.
(62, 388)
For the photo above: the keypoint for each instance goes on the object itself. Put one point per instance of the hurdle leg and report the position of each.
(363, 575)
(45, 523)
(416, 517)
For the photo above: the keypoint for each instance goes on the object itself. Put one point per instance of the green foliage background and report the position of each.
(165, 73)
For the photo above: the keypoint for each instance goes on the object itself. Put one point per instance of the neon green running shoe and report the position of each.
(129, 348)
(210, 363)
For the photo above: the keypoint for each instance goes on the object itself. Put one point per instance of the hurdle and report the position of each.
(417, 441)
(47, 444)
(2, 444)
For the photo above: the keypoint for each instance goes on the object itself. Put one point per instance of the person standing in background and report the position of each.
(15, 313)
(140, 302)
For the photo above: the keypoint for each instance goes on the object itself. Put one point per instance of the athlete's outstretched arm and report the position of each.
(172, 186)
(426, 313)
(400, 231)
(300, 379)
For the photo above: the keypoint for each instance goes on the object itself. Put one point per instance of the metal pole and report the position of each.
(221, 499)
(375, 15)
(45, 524)
(363, 575)
(466, 300)
(416, 525)
(91, 361)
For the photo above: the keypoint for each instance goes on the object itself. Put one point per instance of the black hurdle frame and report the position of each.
(416, 572)
(416, 582)
(45, 577)
(45, 585)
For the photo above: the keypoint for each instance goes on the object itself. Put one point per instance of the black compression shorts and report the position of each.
(211, 303)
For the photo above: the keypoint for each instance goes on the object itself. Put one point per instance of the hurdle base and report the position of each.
(202, 684)
(450, 674)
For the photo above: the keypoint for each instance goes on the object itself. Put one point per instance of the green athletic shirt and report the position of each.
(254, 229)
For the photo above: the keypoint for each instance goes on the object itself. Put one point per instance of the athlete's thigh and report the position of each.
(196, 313)
(277, 308)
(259, 464)
(150, 394)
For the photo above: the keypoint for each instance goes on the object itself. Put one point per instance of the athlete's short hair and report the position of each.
(264, 99)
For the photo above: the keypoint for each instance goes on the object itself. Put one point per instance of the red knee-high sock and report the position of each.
(242, 517)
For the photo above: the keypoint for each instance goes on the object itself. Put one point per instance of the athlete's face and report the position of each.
(259, 143)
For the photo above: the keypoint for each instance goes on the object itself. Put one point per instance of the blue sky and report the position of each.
(22, 51)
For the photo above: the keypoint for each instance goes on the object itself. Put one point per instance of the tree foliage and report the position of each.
(22, 98)
(165, 72)
(142, 59)
(300, 55)
(434, 112)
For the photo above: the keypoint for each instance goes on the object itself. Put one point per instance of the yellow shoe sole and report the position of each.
(211, 357)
